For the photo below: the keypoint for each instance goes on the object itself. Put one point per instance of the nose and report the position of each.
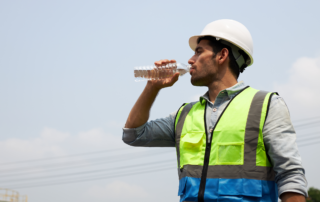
(191, 61)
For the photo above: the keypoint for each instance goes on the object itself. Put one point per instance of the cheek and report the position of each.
(205, 62)
(200, 59)
(200, 63)
(205, 58)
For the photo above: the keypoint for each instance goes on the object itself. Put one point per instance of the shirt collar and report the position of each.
(230, 92)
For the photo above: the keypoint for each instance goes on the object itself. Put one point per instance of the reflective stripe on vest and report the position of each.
(236, 148)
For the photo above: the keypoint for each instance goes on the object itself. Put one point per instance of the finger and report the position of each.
(157, 63)
(173, 61)
(165, 61)
(162, 62)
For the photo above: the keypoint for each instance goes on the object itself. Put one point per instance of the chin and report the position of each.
(197, 82)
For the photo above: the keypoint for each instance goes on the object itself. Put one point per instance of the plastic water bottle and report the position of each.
(160, 72)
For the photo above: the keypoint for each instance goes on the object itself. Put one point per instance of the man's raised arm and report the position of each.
(139, 114)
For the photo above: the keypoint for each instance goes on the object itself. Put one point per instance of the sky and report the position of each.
(67, 87)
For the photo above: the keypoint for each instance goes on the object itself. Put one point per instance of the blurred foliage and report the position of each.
(314, 195)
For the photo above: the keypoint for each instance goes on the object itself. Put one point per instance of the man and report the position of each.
(236, 143)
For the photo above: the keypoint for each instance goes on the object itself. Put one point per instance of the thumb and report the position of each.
(175, 78)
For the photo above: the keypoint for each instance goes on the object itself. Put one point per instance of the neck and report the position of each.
(216, 86)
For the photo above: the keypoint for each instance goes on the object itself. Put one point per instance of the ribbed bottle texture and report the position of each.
(160, 72)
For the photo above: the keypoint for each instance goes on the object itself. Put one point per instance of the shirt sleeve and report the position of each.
(156, 133)
(280, 141)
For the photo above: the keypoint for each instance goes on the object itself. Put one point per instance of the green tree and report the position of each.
(314, 195)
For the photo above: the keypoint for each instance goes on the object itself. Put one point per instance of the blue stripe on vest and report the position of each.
(229, 190)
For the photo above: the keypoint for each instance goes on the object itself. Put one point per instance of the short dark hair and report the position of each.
(217, 46)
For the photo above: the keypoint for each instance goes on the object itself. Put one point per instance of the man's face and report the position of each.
(204, 69)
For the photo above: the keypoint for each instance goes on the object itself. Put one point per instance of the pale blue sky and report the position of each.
(68, 65)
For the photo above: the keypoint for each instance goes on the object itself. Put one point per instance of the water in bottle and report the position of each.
(160, 72)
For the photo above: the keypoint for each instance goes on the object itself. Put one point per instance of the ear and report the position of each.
(224, 53)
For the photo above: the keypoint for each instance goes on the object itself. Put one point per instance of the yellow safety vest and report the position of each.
(231, 163)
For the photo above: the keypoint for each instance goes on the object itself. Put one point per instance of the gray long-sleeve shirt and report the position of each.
(278, 134)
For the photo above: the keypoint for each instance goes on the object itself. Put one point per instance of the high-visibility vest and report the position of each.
(232, 164)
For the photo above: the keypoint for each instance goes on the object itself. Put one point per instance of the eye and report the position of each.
(197, 52)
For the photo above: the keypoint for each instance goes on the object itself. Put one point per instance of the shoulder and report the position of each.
(277, 101)
(278, 115)
(184, 108)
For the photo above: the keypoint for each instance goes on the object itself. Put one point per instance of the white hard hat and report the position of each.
(229, 31)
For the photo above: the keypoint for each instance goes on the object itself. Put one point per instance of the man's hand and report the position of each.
(163, 83)
(292, 197)
(140, 112)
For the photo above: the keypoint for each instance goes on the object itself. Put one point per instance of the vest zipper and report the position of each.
(206, 161)
(207, 152)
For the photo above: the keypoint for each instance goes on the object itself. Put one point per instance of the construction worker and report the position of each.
(236, 143)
